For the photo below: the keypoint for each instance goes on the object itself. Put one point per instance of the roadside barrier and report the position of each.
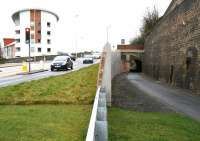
(98, 126)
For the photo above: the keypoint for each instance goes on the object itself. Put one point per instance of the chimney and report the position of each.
(122, 41)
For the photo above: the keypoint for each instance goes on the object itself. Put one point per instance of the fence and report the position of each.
(23, 59)
(110, 66)
(98, 126)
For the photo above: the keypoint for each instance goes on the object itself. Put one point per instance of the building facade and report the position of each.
(131, 57)
(42, 32)
(172, 50)
(8, 49)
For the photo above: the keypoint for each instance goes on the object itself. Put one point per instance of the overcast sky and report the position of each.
(85, 21)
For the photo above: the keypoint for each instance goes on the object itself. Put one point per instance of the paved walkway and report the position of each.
(177, 99)
(12, 69)
(10, 65)
(128, 96)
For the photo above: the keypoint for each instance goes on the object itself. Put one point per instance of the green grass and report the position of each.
(74, 88)
(52, 109)
(44, 122)
(127, 125)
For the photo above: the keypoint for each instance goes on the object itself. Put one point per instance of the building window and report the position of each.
(18, 49)
(39, 49)
(17, 40)
(32, 41)
(32, 36)
(32, 27)
(32, 23)
(17, 31)
(48, 32)
(39, 24)
(39, 32)
(48, 41)
(123, 57)
(48, 49)
(39, 40)
(48, 24)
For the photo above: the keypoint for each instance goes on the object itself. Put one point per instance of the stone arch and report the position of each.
(191, 57)
(135, 64)
(191, 67)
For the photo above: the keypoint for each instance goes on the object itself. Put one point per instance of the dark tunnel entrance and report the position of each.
(136, 66)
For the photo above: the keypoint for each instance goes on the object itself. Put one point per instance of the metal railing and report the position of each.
(98, 126)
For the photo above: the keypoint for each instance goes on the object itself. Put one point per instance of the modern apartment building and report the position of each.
(42, 29)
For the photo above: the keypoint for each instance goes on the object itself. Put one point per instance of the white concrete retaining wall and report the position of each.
(98, 126)
(106, 81)
(112, 67)
(115, 63)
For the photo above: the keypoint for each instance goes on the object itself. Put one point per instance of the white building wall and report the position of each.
(47, 17)
(24, 23)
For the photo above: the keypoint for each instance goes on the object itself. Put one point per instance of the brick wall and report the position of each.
(172, 50)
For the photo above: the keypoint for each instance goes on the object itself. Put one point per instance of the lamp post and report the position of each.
(107, 32)
(76, 35)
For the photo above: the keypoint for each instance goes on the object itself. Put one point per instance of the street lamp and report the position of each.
(76, 35)
(107, 31)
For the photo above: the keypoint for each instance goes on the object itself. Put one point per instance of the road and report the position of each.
(16, 79)
(179, 100)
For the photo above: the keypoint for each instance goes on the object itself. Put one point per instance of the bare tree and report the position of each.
(149, 21)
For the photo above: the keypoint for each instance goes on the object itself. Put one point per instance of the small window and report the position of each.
(48, 24)
(18, 49)
(39, 49)
(32, 23)
(48, 41)
(48, 32)
(32, 27)
(123, 57)
(39, 24)
(32, 36)
(48, 49)
(39, 40)
(39, 32)
(17, 40)
(17, 31)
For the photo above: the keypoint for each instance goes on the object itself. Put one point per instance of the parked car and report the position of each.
(61, 63)
(96, 55)
(88, 60)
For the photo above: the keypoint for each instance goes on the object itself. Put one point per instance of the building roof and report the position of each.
(130, 47)
(28, 9)
(8, 41)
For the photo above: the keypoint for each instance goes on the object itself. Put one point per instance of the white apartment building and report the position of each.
(42, 32)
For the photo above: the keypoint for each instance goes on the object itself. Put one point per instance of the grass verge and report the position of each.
(127, 125)
(78, 87)
(44, 122)
(28, 111)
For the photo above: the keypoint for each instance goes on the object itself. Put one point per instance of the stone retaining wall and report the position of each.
(172, 50)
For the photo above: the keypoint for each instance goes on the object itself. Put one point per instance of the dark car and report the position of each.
(73, 57)
(88, 60)
(61, 63)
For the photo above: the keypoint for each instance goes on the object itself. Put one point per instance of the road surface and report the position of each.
(16, 79)
(179, 100)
